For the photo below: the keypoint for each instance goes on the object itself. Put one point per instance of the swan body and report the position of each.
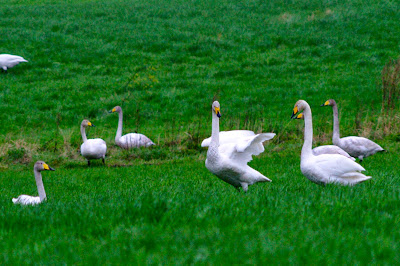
(229, 161)
(8, 61)
(228, 137)
(131, 140)
(327, 149)
(92, 148)
(30, 200)
(325, 168)
(356, 146)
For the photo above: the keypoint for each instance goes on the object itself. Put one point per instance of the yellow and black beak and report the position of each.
(299, 116)
(326, 103)
(90, 124)
(217, 111)
(112, 111)
(295, 111)
(47, 167)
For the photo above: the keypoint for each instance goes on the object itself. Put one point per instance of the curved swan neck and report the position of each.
(83, 133)
(336, 130)
(119, 129)
(308, 132)
(39, 184)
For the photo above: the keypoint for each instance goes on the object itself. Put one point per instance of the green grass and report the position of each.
(164, 62)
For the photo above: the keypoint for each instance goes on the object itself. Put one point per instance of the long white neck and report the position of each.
(39, 184)
(336, 130)
(119, 130)
(308, 132)
(83, 133)
(212, 152)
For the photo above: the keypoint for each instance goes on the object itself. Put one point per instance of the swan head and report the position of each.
(329, 102)
(298, 107)
(42, 166)
(86, 123)
(216, 108)
(117, 109)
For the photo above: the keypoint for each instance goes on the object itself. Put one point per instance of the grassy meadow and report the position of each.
(164, 62)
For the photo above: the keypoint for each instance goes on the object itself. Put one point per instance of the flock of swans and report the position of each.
(230, 151)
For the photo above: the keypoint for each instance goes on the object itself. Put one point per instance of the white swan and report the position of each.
(92, 148)
(327, 149)
(356, 146)
(29, 200)
(131, 140)
(8, 61)
(325, 168)
(229, 161)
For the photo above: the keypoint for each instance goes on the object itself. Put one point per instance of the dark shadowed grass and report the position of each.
(164, 62)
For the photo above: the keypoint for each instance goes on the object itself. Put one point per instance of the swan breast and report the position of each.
(94, 148)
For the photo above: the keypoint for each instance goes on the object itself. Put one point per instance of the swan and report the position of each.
(229, 161)
(130, 140)
(356, 146)
(8, 61)
(327, 149)
(92, 148)
(29, 200)
(325, 168)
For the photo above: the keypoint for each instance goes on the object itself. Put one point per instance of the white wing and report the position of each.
(242, 151)
(94, 149)
(359, 146)
(330, 149)
(229, 137)
(26, 200)
(335, 165)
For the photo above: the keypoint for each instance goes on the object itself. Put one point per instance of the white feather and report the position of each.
(8, 61)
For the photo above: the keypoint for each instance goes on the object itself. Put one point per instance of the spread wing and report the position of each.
(229, 137)
(243, 150)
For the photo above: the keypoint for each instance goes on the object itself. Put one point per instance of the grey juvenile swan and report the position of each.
(30, 200)
(356, 146)
(131, 140)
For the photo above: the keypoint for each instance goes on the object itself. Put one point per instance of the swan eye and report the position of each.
(295, 110)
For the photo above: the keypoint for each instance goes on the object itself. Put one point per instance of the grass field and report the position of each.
(164, 62)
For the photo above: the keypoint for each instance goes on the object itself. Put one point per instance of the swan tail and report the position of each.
(353, 178)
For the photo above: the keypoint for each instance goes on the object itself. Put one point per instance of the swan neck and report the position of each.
(83, 133)
(215, 130)
(308, 133)
(119, 129)
(336, 130)
(39, 184)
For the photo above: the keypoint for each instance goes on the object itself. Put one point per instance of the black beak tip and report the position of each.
(219, 115)
(322, 105)
(51, 169)
(293, 116)
(110, 111)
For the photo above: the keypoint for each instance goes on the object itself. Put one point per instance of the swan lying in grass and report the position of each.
(131, 140)
(325, 168)
(30, 200)
(356, 146)
(92, 148)
(8, 61)
(327, 149)
(229, 161)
